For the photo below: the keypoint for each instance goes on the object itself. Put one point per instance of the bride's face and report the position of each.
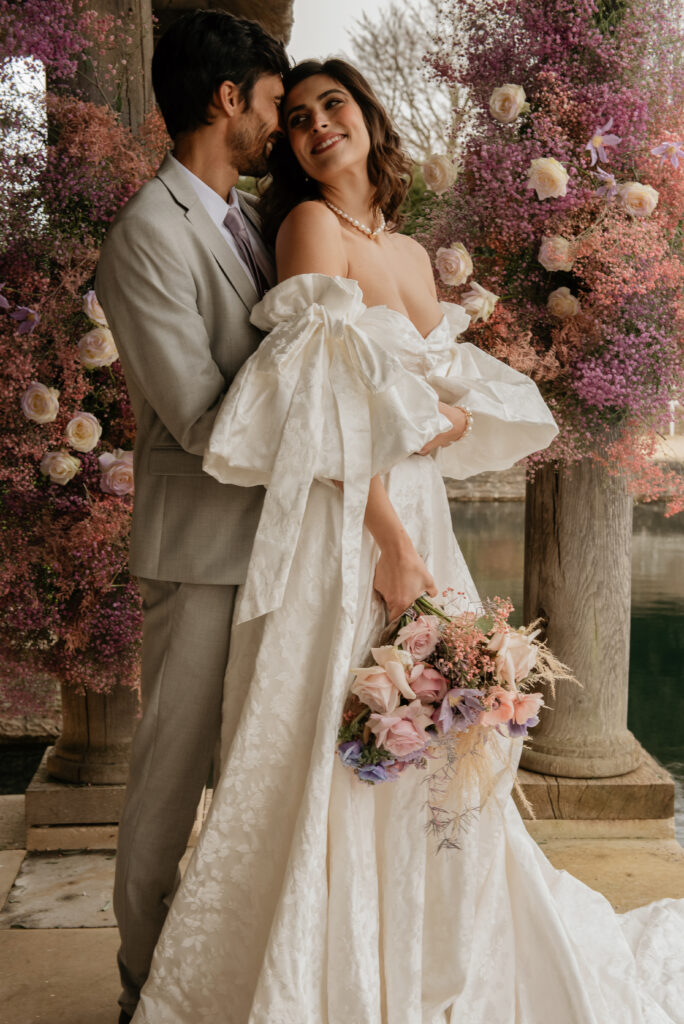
(326, 129)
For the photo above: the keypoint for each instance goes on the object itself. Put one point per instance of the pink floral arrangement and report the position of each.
(561, 234)
(69, 608)
(436, 688)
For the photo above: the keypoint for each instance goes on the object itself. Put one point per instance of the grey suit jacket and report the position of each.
(178, 303)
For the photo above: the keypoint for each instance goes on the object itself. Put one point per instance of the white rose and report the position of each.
(59, 466)
(93, 309)
(454, 264)
(439, 173)
(562, 303)
(556, 253)
(40, 403)
(97, 348)
(83, 431)
(637, 199)
(548, 177)
(478, 302)
(515, 657)
(507, 103)
(117, 472)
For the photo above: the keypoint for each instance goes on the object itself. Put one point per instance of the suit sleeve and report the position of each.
(148, 294)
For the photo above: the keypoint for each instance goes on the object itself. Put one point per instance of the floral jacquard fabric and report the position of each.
(315, 899)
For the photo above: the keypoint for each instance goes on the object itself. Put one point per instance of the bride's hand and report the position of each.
(459, 424)
(400, 578)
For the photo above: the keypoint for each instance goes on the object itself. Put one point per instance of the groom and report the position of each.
(181, 268)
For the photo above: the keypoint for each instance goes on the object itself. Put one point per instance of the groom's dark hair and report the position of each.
(198, 52)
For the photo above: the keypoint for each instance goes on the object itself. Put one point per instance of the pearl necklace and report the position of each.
(357, 223)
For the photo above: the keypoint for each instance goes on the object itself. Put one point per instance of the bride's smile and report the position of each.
(326, 128)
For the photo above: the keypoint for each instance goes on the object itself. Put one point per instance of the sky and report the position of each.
(320, 26)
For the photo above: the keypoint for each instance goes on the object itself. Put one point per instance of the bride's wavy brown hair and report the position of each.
(389, 169)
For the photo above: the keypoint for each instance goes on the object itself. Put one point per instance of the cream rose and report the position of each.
(83, 431)
(40, 403)
(454, 264)
(375, 688)
(97, 348)
(556, 253)
(637, 199)
(478, 302)
(507, 103)
(396, 664)
(93, 309)
(439, 173)
(563, 304)
(59, 466)
(548, 178)
(116, 470)
(515, 655)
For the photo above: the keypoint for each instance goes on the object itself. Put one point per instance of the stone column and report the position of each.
(578, 531)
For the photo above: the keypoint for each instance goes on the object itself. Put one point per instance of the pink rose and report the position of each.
(526, 706)
(501, 706)
(428, 684)
(375, 688)
(116, 470)
(420, 637)
(403, 731)
(516, 655)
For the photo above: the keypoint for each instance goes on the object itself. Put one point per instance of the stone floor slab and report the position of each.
(12, 822)
(59, 977)
(68, 891)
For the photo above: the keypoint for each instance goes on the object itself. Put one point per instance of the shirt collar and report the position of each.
(214, 204)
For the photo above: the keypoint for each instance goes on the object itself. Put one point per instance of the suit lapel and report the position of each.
(180, 187)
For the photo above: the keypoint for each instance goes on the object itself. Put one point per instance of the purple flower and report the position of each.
(4, 304)
(515, 729)
(466, 706)
(599, 141)
(373, 773)
(443, 716)
(28, 319)
(609, 188)
(350, 752)
(672, 151)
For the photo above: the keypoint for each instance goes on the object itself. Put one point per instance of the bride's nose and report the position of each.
(320, 121)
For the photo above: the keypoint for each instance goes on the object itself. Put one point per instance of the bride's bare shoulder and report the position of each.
(414, 256)
(309, 241)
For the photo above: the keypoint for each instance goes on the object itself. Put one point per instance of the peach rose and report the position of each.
(439, 173)
(637, 199)
(516, 655)
(427, 683)
(563, 304)
(507, 103)
(556, 253)
(500, 704)
(454, 264)
(93, 309)
(83, 431)
(59, 466)
(420, 636)
(548, 178)
(375, 688)
(116, 470)
(403, 731)
(478, 302)
(40, 403)
(97, 348)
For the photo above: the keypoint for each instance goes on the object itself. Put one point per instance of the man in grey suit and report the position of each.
(181, 268)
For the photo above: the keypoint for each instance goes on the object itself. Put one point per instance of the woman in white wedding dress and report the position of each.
(311, 897)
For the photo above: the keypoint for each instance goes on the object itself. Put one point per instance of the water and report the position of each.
(491, 536)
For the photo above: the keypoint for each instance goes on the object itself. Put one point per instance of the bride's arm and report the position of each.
(310, 242)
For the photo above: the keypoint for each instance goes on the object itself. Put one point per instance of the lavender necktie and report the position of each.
(235, 224)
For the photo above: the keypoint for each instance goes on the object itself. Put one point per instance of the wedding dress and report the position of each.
(313, 898)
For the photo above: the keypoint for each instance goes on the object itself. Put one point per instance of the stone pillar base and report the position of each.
(595, 759)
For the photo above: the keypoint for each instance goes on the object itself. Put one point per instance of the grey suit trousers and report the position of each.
(186, 635)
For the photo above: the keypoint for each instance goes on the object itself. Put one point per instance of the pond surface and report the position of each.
(491, 536)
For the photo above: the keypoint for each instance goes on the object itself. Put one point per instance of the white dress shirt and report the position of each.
(217, 208)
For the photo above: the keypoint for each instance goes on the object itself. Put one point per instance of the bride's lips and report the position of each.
(329, 142)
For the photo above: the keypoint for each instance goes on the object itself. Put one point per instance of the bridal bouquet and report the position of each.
(437, 689)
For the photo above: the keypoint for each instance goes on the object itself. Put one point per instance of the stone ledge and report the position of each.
(587, 830)
(51, 802)
(646, 793)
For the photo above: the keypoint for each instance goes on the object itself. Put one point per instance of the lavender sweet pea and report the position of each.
(350, 752)
(466, 706)
(599, 140)
(4, 303)
(28, 319)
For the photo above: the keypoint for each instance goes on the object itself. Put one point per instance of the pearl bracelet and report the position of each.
(469, 420)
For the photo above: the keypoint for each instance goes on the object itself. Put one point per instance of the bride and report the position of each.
(311, 897)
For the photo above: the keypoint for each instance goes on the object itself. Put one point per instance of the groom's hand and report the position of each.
(459, 423)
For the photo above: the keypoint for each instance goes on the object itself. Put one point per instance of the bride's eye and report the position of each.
(296, 120)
